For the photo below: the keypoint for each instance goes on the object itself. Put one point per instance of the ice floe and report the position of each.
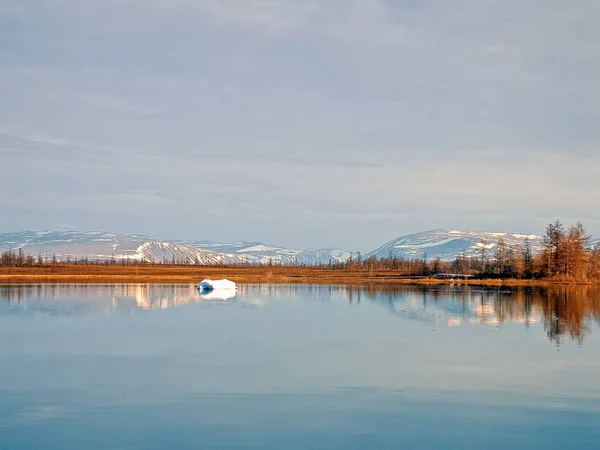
(217, 285)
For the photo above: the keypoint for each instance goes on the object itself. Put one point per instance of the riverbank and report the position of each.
(249, 274)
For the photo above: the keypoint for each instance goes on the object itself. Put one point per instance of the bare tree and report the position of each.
(594, 264)
(501, 256)
(553, 248)
(575, 255)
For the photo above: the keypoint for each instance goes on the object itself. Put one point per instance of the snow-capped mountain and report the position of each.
(448, 244)
(74, 244)
(258, 252)
(107, 246)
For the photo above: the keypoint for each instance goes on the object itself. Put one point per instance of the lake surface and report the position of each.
(298, 367)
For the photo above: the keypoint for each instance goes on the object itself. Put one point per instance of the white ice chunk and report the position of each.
(217, 285)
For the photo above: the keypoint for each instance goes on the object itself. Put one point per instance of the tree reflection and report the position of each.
(563, 311)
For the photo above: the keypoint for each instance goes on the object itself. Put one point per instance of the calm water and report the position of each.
(298, 367)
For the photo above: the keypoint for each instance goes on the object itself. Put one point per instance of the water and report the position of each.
(298, 367)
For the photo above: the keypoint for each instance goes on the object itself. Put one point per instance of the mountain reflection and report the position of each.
(564, 312)
(57, 299)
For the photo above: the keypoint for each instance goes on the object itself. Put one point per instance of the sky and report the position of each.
(337, 123)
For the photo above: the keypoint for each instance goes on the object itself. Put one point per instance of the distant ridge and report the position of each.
(100, 245)
(449, 244)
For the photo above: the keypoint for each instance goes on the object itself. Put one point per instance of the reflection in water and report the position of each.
(297, 367)
(110, 298)
(563, 311)
(219, 294)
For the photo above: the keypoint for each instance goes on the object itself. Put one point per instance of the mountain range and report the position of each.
(443, 244)
(106, 246)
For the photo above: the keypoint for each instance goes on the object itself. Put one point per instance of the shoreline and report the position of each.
(155, 274)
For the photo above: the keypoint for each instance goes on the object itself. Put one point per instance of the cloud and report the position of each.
(274, 15)
(308, 115)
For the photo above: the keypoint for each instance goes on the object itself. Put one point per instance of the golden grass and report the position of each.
(65, 273)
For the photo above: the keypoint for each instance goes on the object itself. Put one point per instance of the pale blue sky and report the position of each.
(299, 123)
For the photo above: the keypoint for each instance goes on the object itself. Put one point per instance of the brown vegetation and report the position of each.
(146, 273)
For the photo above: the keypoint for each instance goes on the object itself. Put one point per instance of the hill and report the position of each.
(448, 244)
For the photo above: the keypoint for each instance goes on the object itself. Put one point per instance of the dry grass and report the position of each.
(193, 274)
